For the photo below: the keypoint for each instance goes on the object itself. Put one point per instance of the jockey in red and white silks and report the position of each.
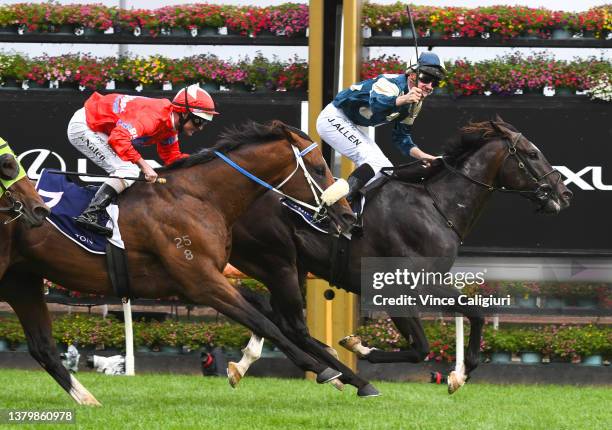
(110, 128)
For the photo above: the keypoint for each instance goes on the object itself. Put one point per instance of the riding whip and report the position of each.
(416, 50)
(93, 175)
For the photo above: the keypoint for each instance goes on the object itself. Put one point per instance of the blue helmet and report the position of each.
(428, 63)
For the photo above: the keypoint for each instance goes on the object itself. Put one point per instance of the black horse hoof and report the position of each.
(368, 391)
(327, 375)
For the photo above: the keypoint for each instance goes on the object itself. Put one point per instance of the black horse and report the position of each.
(415, 220)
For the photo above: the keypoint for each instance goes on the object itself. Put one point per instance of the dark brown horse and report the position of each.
(401, 219)
(178, 240)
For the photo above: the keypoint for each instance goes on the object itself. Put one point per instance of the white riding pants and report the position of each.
(94, 145)
(349, 139)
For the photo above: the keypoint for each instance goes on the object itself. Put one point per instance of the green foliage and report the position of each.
(561, 341)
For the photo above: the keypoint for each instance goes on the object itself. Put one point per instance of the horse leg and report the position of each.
(286, 310)
(475, 315)
(25, 295)
(223, 297)
(412, 330)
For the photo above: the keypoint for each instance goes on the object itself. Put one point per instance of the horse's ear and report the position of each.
(496, 127)
(9, 168)
(499, 119)
(285, 130)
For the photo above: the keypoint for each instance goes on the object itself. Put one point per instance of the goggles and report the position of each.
(199, 122)
(428, 79)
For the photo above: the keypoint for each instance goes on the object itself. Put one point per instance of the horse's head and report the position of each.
(18, 197)
(524, 169)
(316, 169)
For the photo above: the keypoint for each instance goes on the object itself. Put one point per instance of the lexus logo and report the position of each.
(35, 160)
(576, 178)
(40, 162)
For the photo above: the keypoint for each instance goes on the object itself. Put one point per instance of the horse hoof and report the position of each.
(327, 375)
(233, 375)
(337, 384)
(368, 391)
(455, 381)
(352, 343)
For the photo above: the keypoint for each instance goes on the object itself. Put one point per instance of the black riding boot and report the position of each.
(89, 219)
(357, 181)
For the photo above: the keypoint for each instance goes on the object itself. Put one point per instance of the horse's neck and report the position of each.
(233, 192)
(461, 200)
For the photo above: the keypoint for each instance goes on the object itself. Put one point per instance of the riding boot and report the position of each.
(357, 181)
(89, 219)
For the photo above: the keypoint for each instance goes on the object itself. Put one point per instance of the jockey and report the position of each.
(384, 99)
(109, 127)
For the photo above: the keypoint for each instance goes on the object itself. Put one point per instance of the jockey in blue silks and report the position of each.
(381, 100)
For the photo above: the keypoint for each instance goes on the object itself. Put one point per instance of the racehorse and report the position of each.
(400, 219)
(178, 239)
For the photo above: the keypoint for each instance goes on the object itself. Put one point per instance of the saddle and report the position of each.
(68, 199)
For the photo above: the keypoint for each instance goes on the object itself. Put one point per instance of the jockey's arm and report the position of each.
(170, 151)
(120, 139)
(402, 137)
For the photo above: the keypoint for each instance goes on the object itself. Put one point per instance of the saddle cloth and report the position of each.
(68, 200)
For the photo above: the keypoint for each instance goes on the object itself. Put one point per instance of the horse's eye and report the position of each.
(320, 170)
(533, 155)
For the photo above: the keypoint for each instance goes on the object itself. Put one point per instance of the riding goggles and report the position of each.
(428, 79)
(6, 149)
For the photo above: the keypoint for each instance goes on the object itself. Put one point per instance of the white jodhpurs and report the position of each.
(95, 146)
(349, 139)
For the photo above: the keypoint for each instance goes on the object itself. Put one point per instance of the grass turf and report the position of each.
(182, 402)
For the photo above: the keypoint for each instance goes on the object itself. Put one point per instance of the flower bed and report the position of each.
(566, 343)
(90, 72)
(290, 19)
(90, 331)
(571, 291)
(490, 21)
(563, 342)
(507, 75)
(512, 73)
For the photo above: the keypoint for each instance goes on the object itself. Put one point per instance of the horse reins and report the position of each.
(319, 209)
(523, 164)
(17, 206)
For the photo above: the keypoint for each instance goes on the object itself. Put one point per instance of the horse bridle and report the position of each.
(541, 192)
(16, 208)
(320, 210)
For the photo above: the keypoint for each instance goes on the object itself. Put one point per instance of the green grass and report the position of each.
(182, 402)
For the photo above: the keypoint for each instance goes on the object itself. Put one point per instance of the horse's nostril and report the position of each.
(568, 195)
(349, 217)
(41, 212)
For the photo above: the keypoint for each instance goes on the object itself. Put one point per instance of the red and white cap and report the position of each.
(195, 100)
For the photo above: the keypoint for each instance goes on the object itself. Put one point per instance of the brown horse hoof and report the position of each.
(353, 344)
(337, 384)
(368, 391)
(455, 381)
(328, 375)
(233, 374)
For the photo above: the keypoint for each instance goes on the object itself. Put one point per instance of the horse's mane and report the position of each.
(471, 137)
(236, 136)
